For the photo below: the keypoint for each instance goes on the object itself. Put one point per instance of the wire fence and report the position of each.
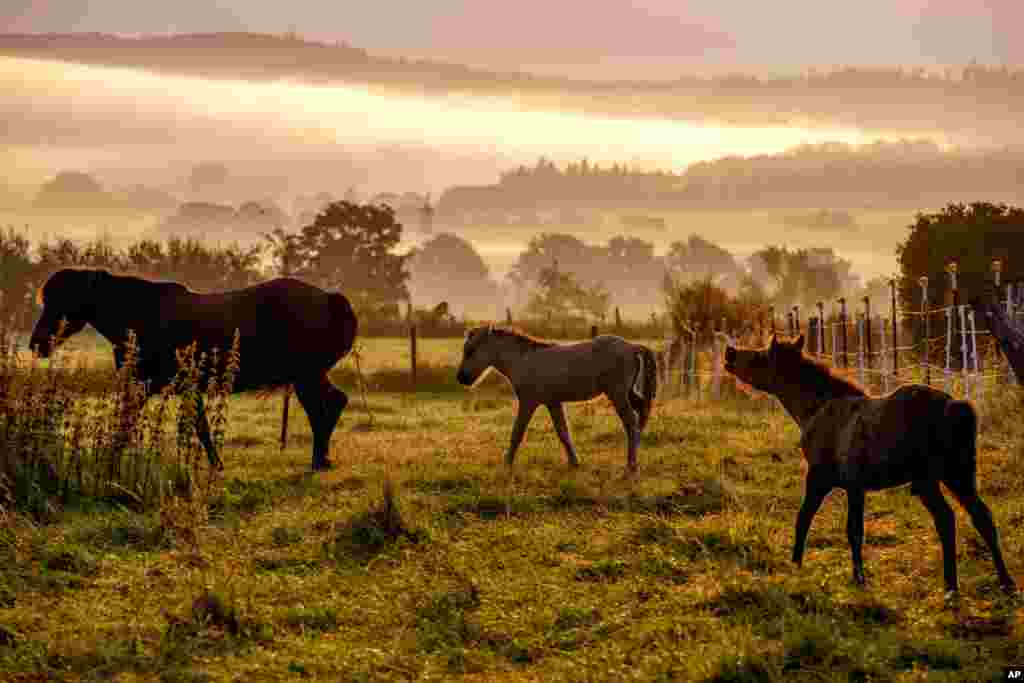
(947, 349)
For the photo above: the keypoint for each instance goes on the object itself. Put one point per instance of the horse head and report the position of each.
(68, 296)
(475, 356)
(761, 368)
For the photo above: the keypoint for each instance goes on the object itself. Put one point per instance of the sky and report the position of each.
(643, 38)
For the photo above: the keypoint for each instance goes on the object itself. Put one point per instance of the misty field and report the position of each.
(462, 570)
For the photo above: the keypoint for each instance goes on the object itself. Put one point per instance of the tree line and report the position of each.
(557, 280)
(899, 172)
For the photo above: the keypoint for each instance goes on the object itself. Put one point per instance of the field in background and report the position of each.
(679, 574)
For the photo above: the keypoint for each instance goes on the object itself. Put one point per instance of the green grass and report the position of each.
(547, 574)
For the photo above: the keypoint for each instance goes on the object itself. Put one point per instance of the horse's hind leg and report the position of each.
(562, 428)
(318, 406)
(334, 402)
(966, 491)
(855, 531)
(945, 525)
(630, 422)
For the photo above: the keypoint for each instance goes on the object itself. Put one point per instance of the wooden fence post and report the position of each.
(867, 329)
(895, 350)
(412, 353)
(947, 372)
(842, 321)
(1011, 378)
(821, 329)
(925, 360)
(284, 416)
(963, 350)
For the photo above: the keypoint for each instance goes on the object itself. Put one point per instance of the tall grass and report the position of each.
(69, 432)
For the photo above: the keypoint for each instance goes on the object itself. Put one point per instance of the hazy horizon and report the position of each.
(617, 40)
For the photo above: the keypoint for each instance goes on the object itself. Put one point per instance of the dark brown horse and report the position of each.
(290, 333)
(915, 435)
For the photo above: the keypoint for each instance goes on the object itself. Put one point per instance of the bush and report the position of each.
(65, 434)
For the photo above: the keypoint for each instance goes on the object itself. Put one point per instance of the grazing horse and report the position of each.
(545, 373)
(915, 434)
(289, 333)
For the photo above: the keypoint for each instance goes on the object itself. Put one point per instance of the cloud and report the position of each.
(575, 27)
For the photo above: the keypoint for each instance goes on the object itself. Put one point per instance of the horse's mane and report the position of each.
(524, 340)
(828, 379)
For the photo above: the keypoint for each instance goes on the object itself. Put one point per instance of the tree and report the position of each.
(697, 258)
(194, 264)
(561, 297)
(284, 251)
(348, 248)
(72, 189)
(16, 280)
(802, 276)
(697, 305)
(973, 235)
(448, 267)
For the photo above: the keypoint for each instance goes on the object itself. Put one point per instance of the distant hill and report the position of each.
(974, 99)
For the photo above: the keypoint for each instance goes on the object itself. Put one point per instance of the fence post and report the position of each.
(1010, 377)
(979, 381)
(882, 364)
(412, 353)
(835, 332)
(947, 371)
(716, 369)
(867, 329)
(895, 349)
(923, 281)
(963, 350)
(284, 416)
(860, 349)
(842, 318)
(821, 329)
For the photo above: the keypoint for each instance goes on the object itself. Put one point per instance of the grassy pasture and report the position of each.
(542, 575)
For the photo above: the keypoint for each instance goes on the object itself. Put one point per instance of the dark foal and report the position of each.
(289, 333)
(915, 435)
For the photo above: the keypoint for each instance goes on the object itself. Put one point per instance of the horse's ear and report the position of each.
(799, 343)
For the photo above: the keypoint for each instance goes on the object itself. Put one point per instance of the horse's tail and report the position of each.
(343, 320)
(962, 422)
(642, 403)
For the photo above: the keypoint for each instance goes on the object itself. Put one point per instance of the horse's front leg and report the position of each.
(855, 531)
(816, 487)
(526, 410)
(562, 429)
(203, 433)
